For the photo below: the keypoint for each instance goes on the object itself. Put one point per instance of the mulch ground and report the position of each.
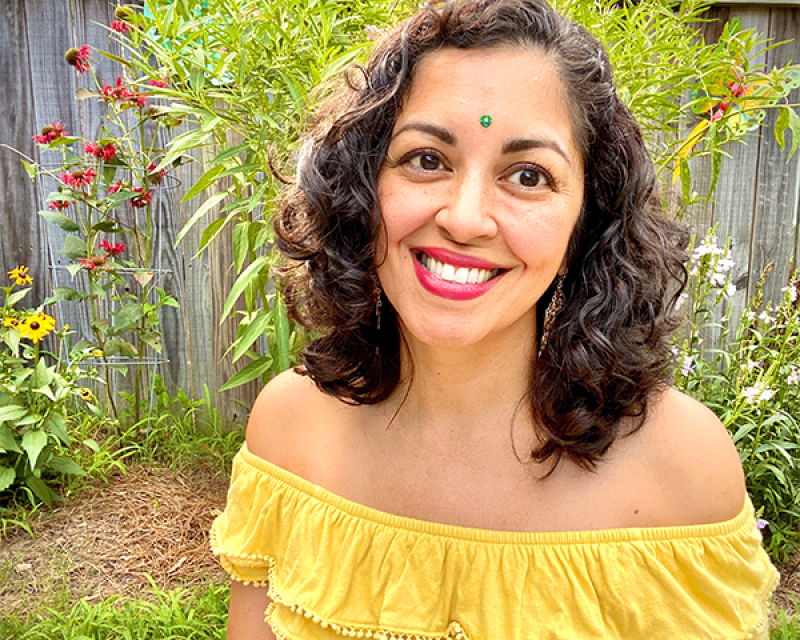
(148, 524)
(113, 539)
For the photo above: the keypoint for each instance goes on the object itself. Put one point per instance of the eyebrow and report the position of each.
(512, 146)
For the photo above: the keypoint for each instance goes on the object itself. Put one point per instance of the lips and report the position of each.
(454, 276)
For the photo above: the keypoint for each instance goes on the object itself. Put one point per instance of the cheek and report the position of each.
(539, 241)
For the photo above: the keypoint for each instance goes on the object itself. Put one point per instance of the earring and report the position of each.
(553, 309)
(378, 300)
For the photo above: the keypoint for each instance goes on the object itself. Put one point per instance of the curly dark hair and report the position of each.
(607, 352)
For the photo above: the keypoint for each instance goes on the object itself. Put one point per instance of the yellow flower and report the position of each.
(10, 322)
(20, 275)
(37, 326)
(86, 393)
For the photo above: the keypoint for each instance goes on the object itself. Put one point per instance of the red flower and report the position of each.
(78, 58)
(106, 152)
(93, 263)
(52, 131)
(78, 178)
(153, 176)
(112, 250)
(119, 26)
(159, 83)
(140, 99)
(58, 205)
(115, 187)
(143, 200)
(119, 92)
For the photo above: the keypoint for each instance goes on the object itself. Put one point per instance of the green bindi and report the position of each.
(486, 121)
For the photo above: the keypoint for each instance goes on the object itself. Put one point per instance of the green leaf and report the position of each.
(126, 317)
(210, 233)
(42, 491)
(68, 294)
(31, 168)
(229, 153)
(33, 442)
(205, 181)
(42, 375)
(282, 346)
(794, 125)
(781, 125)
(241, 244)
(12, 413)
(258, 325)
(15, 297)
(249, 373)
(72, 269)
(686, 180)
(252, 272)
(7, 476)
(152, 338)
(11, 338)
(118, 346)
(61, 221)
(92, 444)
(74, 248)
(57, 425)
(107, 226)
(111, 56)
(197, 79)
(7, 440)
(65, 465)
(208, 204)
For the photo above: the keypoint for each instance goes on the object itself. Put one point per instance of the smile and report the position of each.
(450, 273)
(454, 276)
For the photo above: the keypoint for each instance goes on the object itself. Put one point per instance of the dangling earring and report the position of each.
(378, 300)
(553, 309)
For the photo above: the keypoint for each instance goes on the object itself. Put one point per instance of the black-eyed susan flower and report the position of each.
(36, 326)
(86, 393)
(20, 275)
(8, 321)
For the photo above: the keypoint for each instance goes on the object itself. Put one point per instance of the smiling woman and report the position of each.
(483, 443)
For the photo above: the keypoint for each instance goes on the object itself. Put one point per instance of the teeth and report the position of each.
(462, 275)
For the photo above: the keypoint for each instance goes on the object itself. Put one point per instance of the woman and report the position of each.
(483, 443)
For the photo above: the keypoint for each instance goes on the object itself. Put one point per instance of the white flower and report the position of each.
(730, 291)
(794, 375)
(725, 264)
(792, 289)
(765, 317)
(758, 393)
(681, 301)
(718, 280)
(688, 366)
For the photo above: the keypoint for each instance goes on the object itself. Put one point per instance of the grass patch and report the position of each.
(171, 615)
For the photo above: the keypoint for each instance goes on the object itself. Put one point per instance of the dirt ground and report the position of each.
(150, 522)
(110, 538)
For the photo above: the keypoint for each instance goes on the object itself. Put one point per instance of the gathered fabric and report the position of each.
(337, 568)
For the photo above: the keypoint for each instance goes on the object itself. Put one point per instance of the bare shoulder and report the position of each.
(691, 460)
(285, 419)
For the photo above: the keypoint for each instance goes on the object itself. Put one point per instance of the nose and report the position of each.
(468, 215)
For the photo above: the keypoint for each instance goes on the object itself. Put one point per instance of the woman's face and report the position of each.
(476, 219)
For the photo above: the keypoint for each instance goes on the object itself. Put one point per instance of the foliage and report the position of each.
(242, 73)
(752, 382)
(787, 627)
(37, 399)
(178, 614)
(660, 59)
(105, 188)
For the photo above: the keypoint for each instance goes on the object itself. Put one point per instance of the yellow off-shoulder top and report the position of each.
(337, 568)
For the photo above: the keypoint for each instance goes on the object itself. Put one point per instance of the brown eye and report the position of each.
(527, 178)
(426, 161)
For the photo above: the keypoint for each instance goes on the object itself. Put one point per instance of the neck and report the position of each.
(468, 390)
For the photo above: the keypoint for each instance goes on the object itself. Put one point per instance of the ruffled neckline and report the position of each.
(491, 536)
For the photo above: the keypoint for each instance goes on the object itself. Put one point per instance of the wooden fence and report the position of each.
(756, 201)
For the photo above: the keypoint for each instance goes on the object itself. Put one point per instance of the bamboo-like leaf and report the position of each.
(208, 204)
(249, 373)
(282, 346)
(794, 125)
(252, 272)
(229, 153)
(258, 325)
(205, 181)
(241, 244)
(781, 125)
